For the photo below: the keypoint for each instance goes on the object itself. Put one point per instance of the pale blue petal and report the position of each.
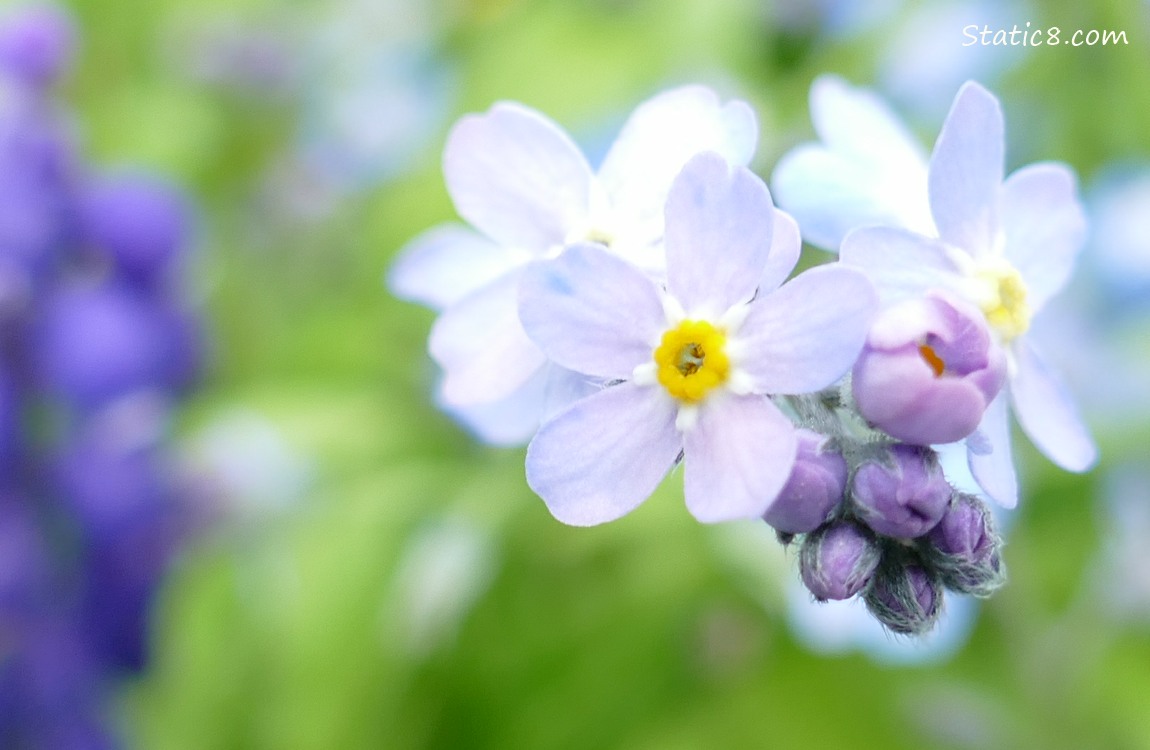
(853, 120)
(736, 458)
(901, 264)
(565, 387)
(1044, 226)
(517, 177)
(989, 455)
(606, 454)
(591, 312)
(446, 263)
(661, 135)
(786, 245)
(512, 420)
(718, 234)
(481, 345)
(807, 334)
(868, 170)
(1047, 413)
(966, 171)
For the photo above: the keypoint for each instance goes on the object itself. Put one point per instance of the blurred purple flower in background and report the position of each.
(96, 345)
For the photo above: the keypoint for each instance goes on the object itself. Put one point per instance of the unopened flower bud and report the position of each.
(928, 370)
(904, 498)
(814, 489)
(965, 550)
(838, 560)
(905, 598)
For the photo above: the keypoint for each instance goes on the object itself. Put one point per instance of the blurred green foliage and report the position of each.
(300, 629)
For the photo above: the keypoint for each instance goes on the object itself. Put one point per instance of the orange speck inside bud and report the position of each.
(932, 359)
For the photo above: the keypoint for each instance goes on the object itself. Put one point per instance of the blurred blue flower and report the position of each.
(138, 223)
(376, 89)
(96, 345)
(36, 44)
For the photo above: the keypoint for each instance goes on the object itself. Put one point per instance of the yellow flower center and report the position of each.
(1004, 303)
(692, 360)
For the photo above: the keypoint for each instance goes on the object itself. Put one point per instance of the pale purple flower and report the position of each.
(928, 370)
(519, 180)
(1006, 246)
(814, 489)
(693, 361)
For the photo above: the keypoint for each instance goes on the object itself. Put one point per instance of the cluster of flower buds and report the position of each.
(641, 316)
(879, 519)
(96, 345)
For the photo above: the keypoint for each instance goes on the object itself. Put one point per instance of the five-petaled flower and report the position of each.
(1005, 246)
(519, 180)
(691, 363)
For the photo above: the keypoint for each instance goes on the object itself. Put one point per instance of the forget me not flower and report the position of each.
(694, 361)
(519, 180)
(1007, 246)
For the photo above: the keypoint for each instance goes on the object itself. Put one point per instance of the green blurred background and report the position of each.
(376, 578)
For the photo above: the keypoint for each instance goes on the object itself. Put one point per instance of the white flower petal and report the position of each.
(660, 136)
(481, 346)
(1047, 413)
(786, 246)
(718, 234)
(966, 171)
(1045, 227)
(989, 455)
(446, 263)
(902, 264)
(807, 334)
(591, 311)
(606, 454)
(517, 177)
(737, 457)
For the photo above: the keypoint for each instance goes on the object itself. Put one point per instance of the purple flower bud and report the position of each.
(928, 370)
(905, 598)
(97, 344)
(814, 489)
(965, 549)
(838, 560)
(904, 498)
(36, 45)
(140, 222)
